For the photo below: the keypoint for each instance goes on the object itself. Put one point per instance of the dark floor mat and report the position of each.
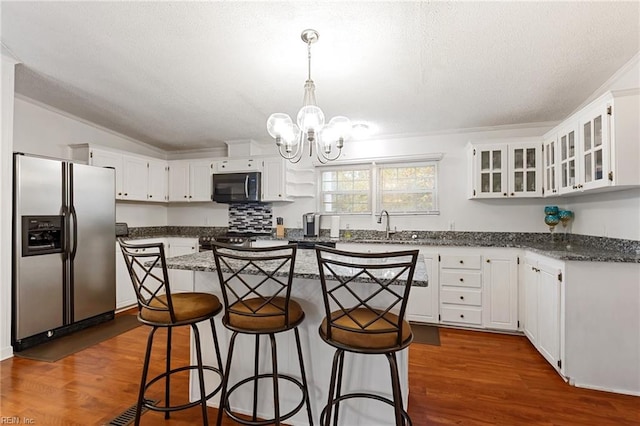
(425, 334)
(64, 346)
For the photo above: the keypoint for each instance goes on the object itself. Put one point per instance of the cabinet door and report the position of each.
(500, 293)
(530, 288)
(595, 142)
(135, 178)
(178, 181)
(158, 180)
(237, 165)
(179, 280)
(549, 156)
(423, 301)
(568, 160)
(549, 290)
(200, 181)
(490, 164)
(273, 180)
(113, 160)
(524, 176)
(125, 294)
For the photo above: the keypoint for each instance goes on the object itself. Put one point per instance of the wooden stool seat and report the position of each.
(363, 329)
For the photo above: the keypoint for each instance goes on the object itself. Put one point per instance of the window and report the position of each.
(409, 188)
(346, 190)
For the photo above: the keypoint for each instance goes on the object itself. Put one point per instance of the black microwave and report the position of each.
(236, 187)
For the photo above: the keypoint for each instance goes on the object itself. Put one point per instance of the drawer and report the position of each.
(461, 314)
(461, 278)
(461, 262)
(460, 296)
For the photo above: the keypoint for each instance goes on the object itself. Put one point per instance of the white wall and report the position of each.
(6, 172)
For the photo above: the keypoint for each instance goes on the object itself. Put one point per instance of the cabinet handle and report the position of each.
(512, 194)
(185, 196)
(189, 196)
(150, 196)
(462, 261)
(461, 297)
(461, 280)
(488, 260)
(461, 315)
(119, 193)
(126, 193)
(504, 193)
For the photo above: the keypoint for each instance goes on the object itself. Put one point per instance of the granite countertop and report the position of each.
(306, 266)
(567, 247)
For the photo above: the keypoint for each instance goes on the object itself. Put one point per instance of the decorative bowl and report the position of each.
(553, 210)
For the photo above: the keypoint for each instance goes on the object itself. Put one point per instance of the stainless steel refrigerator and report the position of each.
(63, 248)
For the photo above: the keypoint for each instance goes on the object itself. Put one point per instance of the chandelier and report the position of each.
(310, 128)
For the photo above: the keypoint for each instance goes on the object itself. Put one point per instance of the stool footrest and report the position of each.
(165, 409)
(353, 395)
(294, 411)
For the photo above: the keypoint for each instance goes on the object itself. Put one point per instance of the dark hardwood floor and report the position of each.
(473, 378)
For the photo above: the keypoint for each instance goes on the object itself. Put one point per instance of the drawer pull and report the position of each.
(461, 297)
(462, 261)
(461, 280)
(461, 315)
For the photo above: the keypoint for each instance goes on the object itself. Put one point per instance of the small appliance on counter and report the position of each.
(311, 224)
(122, 229)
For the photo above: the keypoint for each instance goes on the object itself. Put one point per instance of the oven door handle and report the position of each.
(246, 186)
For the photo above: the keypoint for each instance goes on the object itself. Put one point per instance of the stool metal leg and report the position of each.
(143, 379)
(203, 393)
(397, 392)
(339, 388)
(303, 376)
(225, 379)
(168, 378)
(216, 345)
(256, 359)
(332, 389)
(274, 372)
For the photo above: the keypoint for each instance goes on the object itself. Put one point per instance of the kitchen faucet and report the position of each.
(388, 231)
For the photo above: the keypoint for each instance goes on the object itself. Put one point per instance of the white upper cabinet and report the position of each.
(158, 180)
(598, 145)
(274, 184)
(138, 178)
(237, 165)
(549, 158)
(506, 170)
(135, 178)
(190, 181)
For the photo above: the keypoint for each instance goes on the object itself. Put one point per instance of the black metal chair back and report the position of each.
(256, 282)
(147, 268)
(390, 275)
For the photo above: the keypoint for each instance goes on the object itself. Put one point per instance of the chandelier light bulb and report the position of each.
(310, 117)
(277, 125)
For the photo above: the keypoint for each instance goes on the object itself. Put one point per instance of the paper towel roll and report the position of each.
(335, 226)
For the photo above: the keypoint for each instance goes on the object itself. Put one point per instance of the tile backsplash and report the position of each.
(250, 217)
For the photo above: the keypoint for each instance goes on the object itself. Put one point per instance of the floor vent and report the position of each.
(129, 415)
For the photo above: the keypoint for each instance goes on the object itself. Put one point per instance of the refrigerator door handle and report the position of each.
(65, 236)
(74, 216)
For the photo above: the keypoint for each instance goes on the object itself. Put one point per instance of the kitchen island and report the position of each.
(362, 373)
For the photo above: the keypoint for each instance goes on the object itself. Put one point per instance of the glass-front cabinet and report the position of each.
(549, 157)
(595, 143)
(567, 160)
(506, 170)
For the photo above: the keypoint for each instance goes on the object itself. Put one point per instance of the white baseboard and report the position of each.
(6, 352)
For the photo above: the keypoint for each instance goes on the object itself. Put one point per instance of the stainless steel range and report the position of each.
(243, 239)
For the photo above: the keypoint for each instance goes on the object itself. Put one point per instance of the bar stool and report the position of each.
(365, 324)
(159, 308)
(256, 288)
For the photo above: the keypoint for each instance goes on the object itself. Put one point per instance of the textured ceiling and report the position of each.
(189, 75)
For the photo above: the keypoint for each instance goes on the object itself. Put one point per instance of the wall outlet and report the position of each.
(452, 225)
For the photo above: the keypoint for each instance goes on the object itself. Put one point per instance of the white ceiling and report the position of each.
(185, 75)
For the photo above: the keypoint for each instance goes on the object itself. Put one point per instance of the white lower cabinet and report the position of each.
(461, 289)
(180, 280)
(543, 289)
(500, 293)
(423, 301)
(125, 294)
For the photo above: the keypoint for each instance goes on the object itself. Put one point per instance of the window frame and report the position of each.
(375, 190)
